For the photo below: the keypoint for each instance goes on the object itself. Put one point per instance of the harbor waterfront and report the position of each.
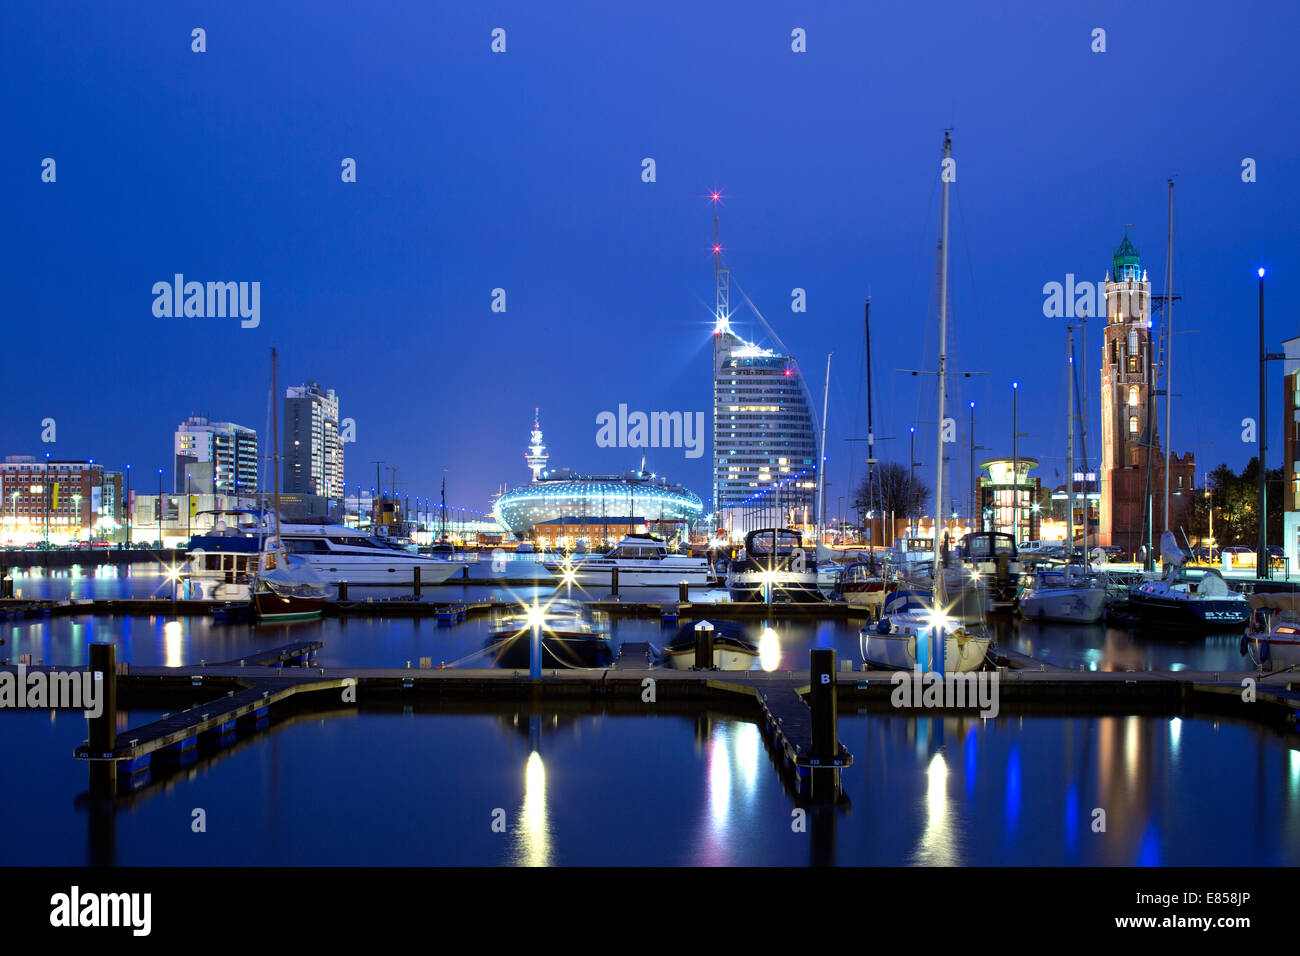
(1106, 716)
(439, 444)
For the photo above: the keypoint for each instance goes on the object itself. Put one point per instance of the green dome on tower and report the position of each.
(1126, 263)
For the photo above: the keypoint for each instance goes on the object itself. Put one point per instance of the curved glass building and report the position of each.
(595, 498)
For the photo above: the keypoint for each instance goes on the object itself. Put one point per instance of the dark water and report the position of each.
(388, 787)
(581, 786)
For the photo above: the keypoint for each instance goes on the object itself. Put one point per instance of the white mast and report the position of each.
(939, 597)
(1069, 453)
(821, 467)
(1169, 343)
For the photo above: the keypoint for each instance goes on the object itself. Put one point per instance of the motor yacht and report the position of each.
(642, 560)
(774, 564)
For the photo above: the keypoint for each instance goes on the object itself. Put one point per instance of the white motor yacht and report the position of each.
(642, 560)
(336, 553)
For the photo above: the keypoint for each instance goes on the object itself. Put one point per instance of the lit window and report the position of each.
(1132, 424)
(1133, 395)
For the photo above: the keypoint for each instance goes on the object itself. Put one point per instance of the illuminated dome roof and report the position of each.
(564, 495)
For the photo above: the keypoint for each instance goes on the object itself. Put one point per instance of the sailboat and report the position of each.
(284, 587)
(1068, 594)
(938, 636)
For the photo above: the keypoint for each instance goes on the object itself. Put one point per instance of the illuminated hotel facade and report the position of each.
(764, 431)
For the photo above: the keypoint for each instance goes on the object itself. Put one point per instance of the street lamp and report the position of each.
(1261, 552)
(1015, 461)
(76, 504)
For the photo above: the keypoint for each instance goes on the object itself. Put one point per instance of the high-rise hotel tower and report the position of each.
(764, 431)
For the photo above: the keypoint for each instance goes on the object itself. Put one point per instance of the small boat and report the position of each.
(862, 584)
(912, 556)
(285, 588)
(909, 623)
(732, 650)
(1067, 594)
(774, 564)
(993, 555)
(571, 636)
(219, 565)
(642, 560)
(1274, 639)
(1197, 600)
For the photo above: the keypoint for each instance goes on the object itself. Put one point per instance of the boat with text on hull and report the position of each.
(1198, 598)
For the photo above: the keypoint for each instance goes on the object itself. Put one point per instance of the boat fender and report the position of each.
(1263, 651)
(882, 626)
(1245, 645)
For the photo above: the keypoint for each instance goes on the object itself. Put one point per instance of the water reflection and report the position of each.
(173, 644)
(533, 838)
(937, 846)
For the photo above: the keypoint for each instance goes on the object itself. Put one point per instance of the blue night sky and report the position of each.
(523, 171)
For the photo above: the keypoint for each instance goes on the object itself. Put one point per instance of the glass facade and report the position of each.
(595, 497)
(764, 431)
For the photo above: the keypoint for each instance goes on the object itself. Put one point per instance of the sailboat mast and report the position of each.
(939, 598)
(275, 446)
(821, 468)
(1069, 445)
(1169, 341)
(871, 436)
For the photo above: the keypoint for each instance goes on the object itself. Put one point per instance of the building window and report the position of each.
(1133, 395)
(1132, 424)
(1132, 341)
(1132, 363)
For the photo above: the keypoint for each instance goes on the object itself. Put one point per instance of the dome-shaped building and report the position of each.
(588, 503)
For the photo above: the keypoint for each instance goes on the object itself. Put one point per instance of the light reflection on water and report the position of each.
(783, 644)
(586, 788)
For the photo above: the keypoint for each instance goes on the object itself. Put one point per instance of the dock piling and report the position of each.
(343, 590)
(703, 646)
(416, 582)
(824, 704)
(613, 582)
(101, 736)
(683, 592)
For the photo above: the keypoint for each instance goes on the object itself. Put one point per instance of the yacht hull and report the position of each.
(596, 573)
(1207, 615)
(897, 651)
(558, 650)
(272, 608)
(1067, 605)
